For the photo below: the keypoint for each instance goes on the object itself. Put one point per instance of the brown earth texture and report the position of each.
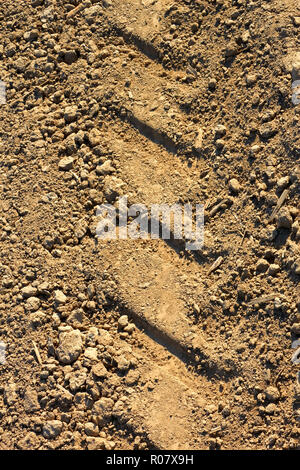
(141, 343)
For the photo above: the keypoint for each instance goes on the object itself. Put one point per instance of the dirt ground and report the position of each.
(142, 344)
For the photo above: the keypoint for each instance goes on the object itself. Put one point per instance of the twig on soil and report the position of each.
(216, 208)
(262, 300)
(75, 10)
(243, 237)
(216, 264)
(279, 204)
(37, 353)
(278, 375)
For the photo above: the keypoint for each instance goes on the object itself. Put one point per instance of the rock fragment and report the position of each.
(295, 328)
(234, 186)
(28, 291)
(220, 130)
(272, 394)
(59, 297)
(10, 394)
(91, 429)
(52, 429)
(262, 265)
(66, 163)
(251, 79)
(123, 321)
(31, 35)
(70, 57)
(31, 403)
(284, 218)
(296, 70)
(70, 346)
(102, 411)
(99, 371)
(32, 304)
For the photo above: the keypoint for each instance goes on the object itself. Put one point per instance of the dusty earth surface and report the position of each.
(141, 344)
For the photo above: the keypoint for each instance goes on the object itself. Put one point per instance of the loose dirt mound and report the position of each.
(142, 344)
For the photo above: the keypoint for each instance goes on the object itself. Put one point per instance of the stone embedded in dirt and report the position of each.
(92, 12)
(251, 79)
(70, 346)
(66, 163)
(254, 150)
(220, 144)
(199, 140)
(262, 265)
(29, 442)
(30, 402)
(77, 380)
(59, 297)
(28, 291)
(220, 130)
(102, 411)
(90, 305)
(99, 443)
(296, 20)
(99, 371)
(267, 131)
(231, 49)
(64, 399)
(296, 70)
(296, 267)
(44, 288)
(271, 409)
(52, 429)
(31, 35)
(107, 3)
(272, 394)
(283, 183)
(76, 318)
(274, 269)
(69, 144)
(91, 429)
(80, 229)
(93, 332)
(91, 354)
(212, 83)
(210, 408)
(295, 329)
(123, 321)
(129, 328)
(37, 319)
(105, 169)
(104, 338)
(95, 137)
(123, 364)
(95, 443)
(70, 57)
(10, 394)
(284, 219)
(234, 186)
(113, 187)
(70, 114)
(132, 377)
(32, 304)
